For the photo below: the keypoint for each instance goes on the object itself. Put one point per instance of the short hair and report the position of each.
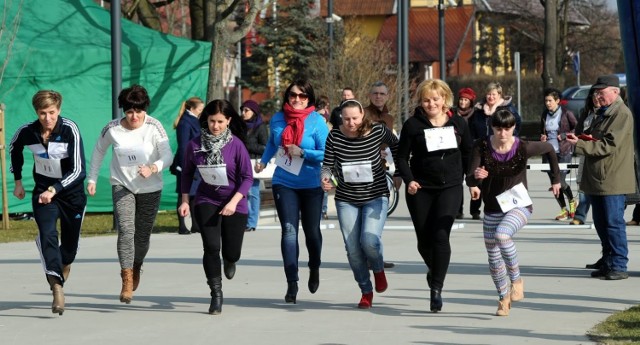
(134, 97)
(45, 98)
(379, 83)
(438, 86)
(494, 86)
(347, 89)
(503, 118)
(305, 87)
(553, 92)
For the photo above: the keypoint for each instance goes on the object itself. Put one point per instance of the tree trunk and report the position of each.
(148, 15)
(550, 43)
(196, 13)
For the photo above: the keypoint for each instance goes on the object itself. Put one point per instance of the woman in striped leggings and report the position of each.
(498, 173)
(140, 151)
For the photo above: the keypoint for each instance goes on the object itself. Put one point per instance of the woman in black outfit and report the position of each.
(433, 153)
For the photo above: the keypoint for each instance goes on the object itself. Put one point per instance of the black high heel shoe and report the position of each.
(292, 292)
(314, 280)
(436, 300)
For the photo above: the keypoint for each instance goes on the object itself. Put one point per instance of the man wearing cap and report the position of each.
(608, 173)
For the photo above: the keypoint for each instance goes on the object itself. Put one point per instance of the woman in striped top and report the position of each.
(352, 155)
(433, 153)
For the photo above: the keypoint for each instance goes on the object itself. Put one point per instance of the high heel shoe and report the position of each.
(292, 292)
(57, 306)
(436, 300)
(314, 280)
(229, 269)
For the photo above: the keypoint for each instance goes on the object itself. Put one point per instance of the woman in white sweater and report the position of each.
(140, 151)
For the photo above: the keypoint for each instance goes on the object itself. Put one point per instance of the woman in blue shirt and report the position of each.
(297, 138)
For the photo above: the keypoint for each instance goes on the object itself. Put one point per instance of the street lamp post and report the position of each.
(443, 60)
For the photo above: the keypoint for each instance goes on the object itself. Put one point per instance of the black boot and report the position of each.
(314, 280)
(292, 292)
(436, 300)
(215, 284)
(229, 269)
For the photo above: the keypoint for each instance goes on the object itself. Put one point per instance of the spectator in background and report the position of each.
(257, 137)
(480, 123)
(140, 151)
(555, 123)
(591, 105)
(609, 173)
(58, 192)
(466, 102)
(221, 206)
(187, 127)
(297, 138)
(322, 107)
(336, 115)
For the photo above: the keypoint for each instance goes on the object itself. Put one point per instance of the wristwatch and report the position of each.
(51, 189)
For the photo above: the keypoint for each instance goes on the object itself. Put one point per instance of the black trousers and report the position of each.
(219, 233)
(433, 212)
(70, 211)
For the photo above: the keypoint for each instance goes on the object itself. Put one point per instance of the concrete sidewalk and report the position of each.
(170, 307)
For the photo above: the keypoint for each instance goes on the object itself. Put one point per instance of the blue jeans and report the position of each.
(608, 217)
(293, 206)
(584, 204)
(361, 227)
(325, 202)
(253, 199)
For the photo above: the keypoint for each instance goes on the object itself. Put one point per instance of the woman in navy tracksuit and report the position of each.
(58, 173)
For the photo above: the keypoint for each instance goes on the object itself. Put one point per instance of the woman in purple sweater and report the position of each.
(221, 208)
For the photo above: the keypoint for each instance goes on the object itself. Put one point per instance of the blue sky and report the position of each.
(613, 4)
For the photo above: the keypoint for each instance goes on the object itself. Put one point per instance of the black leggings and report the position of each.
(217, 230)
(433, 212)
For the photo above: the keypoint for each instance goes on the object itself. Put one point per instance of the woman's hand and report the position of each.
(326, 184)
(480, 173)
(572, 138)
(413, 187)
(91, 188)
(146, 170)
(475, 193)
(556, 189)
(294, 150)
(229, 209)
(183, 209)
(258, 167)
(543, 137)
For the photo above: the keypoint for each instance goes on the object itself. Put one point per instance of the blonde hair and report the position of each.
(494, 86)
(438, 86)
(188, 104)
(45, 98)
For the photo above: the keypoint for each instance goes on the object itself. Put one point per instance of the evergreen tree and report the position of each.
(288, 42)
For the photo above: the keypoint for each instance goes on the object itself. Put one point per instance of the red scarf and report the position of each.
(292, 133)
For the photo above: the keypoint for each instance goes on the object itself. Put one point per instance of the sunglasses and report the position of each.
(302, 96)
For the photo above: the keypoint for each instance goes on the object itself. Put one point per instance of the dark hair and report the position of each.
(553, 92)
(134, 97)
(221, 106)
(305, 87)
(503, 118)
(588, 103)
(322, 102)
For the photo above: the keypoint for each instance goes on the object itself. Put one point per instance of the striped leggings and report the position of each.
(498, 229)
(135, 215)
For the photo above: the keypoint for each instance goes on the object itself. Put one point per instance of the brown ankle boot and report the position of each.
(66, 269)
(517, 290)
(127, 285)
(504, 305)
(57, 307)
(137, 270)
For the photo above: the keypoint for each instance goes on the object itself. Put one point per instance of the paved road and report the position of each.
(562, 303)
